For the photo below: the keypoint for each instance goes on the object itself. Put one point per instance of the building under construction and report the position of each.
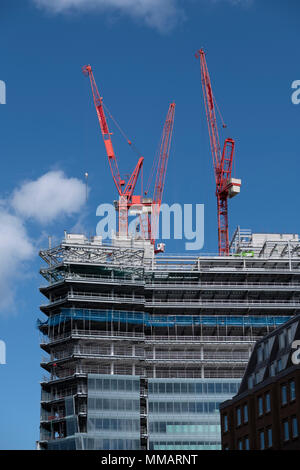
(141, 349)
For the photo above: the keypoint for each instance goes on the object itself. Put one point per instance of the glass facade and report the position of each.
(113, 413)
(184, 413)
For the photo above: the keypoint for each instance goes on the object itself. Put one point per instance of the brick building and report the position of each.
(265, 414)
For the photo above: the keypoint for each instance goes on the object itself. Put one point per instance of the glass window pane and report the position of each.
(270, 437)
(225, 423)
(295, 426)
(262, 440)
(238, 416)
(183, 388)
(245, 413)
(286, 430)
(292, 390)
(268, 402)
(129, 385)
(283, 395)
(260, 406)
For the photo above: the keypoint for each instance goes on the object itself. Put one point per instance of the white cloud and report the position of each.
(159, 14)
(162, 15)
(51, 196)
(235, 2)
(46, 199)
(15, 249)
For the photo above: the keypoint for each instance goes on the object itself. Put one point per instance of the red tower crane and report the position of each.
(226, 186)
(165, 145)
(125, 191)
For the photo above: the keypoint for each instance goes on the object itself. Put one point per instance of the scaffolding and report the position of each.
(114, 311)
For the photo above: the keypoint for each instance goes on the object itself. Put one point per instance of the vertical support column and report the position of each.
(112, 352)
(290, 258)
(123, 217)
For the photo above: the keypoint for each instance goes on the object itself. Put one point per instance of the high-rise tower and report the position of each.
(141, 349)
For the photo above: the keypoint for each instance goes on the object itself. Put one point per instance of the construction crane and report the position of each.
(226, 186)
(150, 206)
(165, 145)
(125, 191)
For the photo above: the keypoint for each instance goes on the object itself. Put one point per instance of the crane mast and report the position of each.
(226, 186)
(165, 145)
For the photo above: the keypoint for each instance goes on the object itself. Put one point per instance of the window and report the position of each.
(225, 423)
(273, 369)
(262, 440)
(295, 426)
(283, 395)
(266, 351)
(270, 437)
(282, 340)
(245, 413)
(260, 354)
(260, 406)
(250, 381)
(268, 402)
(240, 445)
(238, 416)
(292, 390)
(286, 433)
(247, 443)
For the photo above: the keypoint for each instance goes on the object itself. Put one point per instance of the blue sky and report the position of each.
(143, 58)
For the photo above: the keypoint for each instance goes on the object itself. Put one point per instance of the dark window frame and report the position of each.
(284, 422)
(260, 401)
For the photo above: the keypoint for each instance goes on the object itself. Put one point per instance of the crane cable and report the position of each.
(129, 142)
(154, 166)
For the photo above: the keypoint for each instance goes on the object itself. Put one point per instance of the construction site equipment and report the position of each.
(162, 163)
(226, 186)
(125, 191)
(147, 208)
